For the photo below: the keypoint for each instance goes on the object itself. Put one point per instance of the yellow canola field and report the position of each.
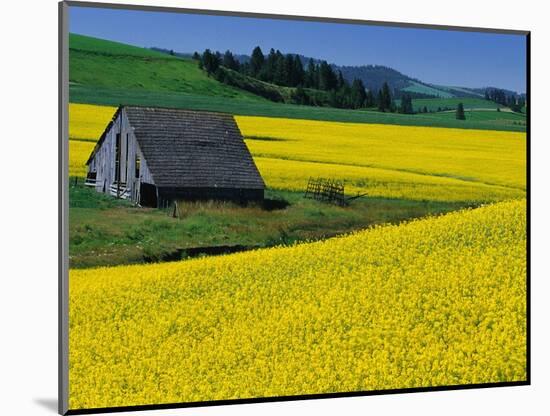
(418, 163)
(79, 152)
(87, 121)
(438, 301)
(492, 157)
(388, 183)
(86, 124)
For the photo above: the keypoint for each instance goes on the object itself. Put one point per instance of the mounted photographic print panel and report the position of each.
(261, 208)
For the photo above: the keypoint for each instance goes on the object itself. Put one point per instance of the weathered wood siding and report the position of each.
(104, 161)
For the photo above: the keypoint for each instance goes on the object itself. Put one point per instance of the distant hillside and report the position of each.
(374, 76)
(481, 91)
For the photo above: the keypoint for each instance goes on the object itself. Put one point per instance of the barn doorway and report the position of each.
(148, 195)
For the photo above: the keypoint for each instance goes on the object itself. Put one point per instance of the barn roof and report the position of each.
(185, 148)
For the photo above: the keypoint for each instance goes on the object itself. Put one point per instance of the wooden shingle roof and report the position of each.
(186, 148)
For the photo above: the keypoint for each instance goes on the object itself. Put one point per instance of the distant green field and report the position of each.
(442, 91)
(451, 103)
(425, 89)
(105, 64)
(497, 120)
(110, 96)
(459, 91)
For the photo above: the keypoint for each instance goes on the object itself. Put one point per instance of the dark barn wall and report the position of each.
(239, 195)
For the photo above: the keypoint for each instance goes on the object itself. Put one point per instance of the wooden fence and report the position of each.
(326, 190)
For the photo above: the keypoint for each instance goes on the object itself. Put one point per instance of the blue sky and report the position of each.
(436, 56)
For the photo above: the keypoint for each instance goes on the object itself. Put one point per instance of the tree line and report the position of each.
(498, 96)
(318, 84)
(287, 70)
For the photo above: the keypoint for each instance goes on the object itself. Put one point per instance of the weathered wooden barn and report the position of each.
(153, 156)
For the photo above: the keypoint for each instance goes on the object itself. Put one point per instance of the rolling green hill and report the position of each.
(111, 73)
(105, 64)
(106, 47)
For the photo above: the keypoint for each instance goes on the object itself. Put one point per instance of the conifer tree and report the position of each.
(460, 112)
(357, 94)
(311, 75)
(341, 81)
(384, 98)
(381, 101)
(229, 61)
(210, 62)
(289, 77)
(256, 61)
(370, 100)
(406, 104)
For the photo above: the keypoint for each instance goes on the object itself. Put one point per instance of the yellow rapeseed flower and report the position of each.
(437, 301)
(87, 121)
(79, 152)
(492, 157)
(421, 163)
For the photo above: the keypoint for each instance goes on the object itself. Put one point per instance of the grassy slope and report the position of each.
(105, 231)
(110, 73)
(97, 63)
(106, 47)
